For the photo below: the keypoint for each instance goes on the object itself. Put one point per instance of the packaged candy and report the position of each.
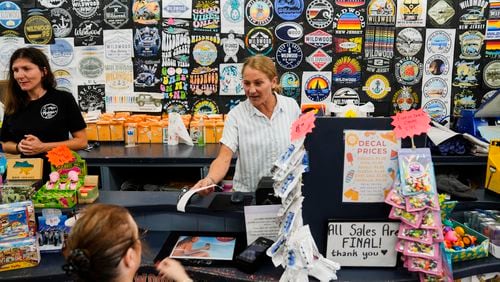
(431, 220)
(422, 201)
(416, 171)
(416, 249)
(415, 234)
(400, 246)
(429, 266)
(437, 236)
(411, 218)
(425, 277)
(395, 199)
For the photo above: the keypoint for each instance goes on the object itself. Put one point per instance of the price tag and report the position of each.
(410, 123)
(303, 125)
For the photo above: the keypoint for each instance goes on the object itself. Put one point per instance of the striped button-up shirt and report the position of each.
(257, 140)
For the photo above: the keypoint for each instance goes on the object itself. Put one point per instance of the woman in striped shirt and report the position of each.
(257, 130)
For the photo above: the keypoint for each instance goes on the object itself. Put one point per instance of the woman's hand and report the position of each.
(31, 145)
(172, 269)
(207, 181)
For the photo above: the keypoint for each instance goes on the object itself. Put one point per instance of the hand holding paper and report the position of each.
(181, 204)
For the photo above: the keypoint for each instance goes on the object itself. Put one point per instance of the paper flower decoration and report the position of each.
(60, 155)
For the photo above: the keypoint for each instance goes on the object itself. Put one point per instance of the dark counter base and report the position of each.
(156, 211)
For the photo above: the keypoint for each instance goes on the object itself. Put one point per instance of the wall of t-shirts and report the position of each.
(186, 56)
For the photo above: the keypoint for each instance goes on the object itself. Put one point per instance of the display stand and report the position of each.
(323, 183)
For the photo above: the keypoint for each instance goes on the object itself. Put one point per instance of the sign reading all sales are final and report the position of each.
(362, 243)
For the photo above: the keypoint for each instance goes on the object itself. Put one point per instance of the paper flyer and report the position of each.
(363, 181)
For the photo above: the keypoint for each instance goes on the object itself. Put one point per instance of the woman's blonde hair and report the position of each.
(265, 65)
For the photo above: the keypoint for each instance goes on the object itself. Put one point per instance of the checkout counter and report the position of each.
(157, 212)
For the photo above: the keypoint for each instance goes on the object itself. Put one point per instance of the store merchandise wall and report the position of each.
(185, 56)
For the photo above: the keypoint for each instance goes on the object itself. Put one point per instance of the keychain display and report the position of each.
(295, 249)
(415, 202)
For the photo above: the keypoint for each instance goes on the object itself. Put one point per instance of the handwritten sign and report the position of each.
(303, 125)
(362, 243)
(410, 123)
(363, 181)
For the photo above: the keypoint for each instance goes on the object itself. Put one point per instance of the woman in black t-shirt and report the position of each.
(38, 117)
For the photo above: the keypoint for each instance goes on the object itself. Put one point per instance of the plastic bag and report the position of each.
(177, 132)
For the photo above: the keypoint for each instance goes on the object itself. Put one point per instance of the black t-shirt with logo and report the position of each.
(51, 118)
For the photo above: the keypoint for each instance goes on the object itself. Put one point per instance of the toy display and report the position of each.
(17, 221)
(19, 254)
(464, 243)
(89, 192)
(65, 180)
(23, 179)
(55, 198)
(18, 246)
(17, 192)
(52, 230)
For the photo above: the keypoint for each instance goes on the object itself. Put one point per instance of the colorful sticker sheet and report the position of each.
(182, 56)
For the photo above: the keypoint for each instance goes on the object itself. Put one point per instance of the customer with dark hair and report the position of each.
(38, 117)
(105, 245)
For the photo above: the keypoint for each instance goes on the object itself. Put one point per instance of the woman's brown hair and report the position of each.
(98, 241)
(265, 65)
(15, 98)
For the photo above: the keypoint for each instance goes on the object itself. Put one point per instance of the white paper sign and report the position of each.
(261, 221)
(362, 243)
